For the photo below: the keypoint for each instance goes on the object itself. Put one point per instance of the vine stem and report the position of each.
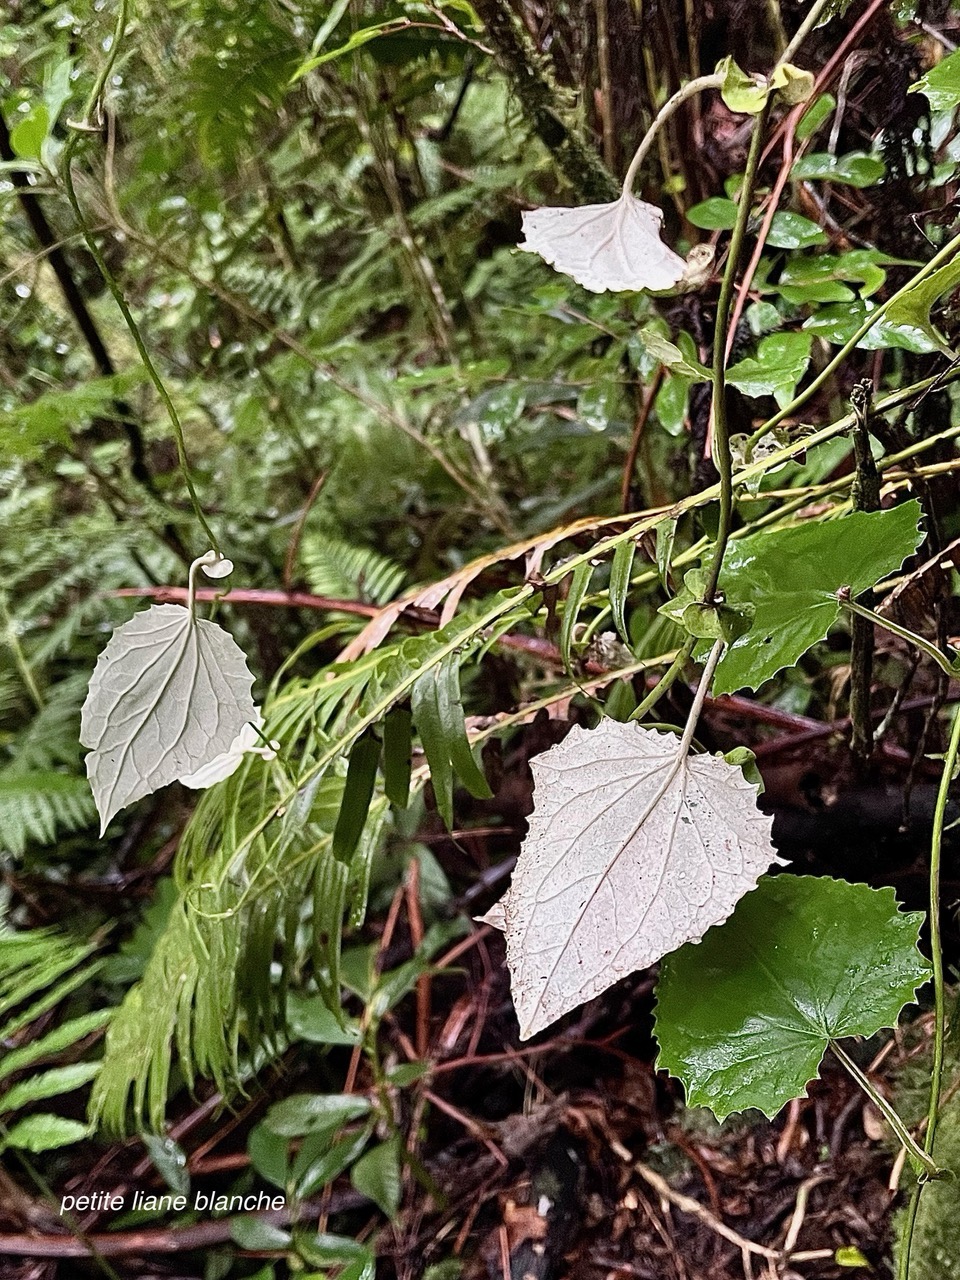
(918, 1156)
(86, 125)
(911, 637)
(703, 687)
(804, 29)
(721, 435)
(669, 108)
(939, 997)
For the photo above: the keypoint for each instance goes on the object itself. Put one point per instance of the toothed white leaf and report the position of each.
(605, 246)
(169, 693)
(632, 850)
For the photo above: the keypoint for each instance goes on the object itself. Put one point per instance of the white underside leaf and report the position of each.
(168, 695)
(632, 850)
(605, 246)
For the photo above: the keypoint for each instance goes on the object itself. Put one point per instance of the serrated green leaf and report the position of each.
(913, 309)
(357, 794)
(775, 370)
(791, 578)
(45, 1132)
(941, 84)
(376, 1175)
(744, 1018)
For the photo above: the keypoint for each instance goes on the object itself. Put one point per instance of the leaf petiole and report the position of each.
(918, 641)
(921, 1161)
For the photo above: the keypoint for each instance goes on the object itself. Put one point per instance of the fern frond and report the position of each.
(36, 805)
(335, 568)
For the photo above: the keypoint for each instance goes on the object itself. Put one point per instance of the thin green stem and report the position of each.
(939, 996)
(920, 1158)
(665, 681)
(92, 107)
(19, 657)
(919, 642)
(721, 436)
(706, 679)
(804, 29)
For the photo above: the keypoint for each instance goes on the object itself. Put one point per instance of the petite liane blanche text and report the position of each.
(100, 1200)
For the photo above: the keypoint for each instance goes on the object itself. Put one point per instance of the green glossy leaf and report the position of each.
(819, 111)
(816, 291)
(357, 794)
(775, 370)
(744, 1018)
(396, 756)
(325, 1250)
(671, 404)
(670, 355)
(438, 714)
(30, 132)
(941, 84)
(913, 309)
(794, 231)
(45, 1132)
(714, 214)
(596, 404)
(790, 578)
(376, 1175)
(309, 1018)
(257, 1234)
(741, 93)
(856, 169)
(169, 1160)
(838, 324)
(304, 1113)
(620, 571)
(319, 1162)
(268, 1155)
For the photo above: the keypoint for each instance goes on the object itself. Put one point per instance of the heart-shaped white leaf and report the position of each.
(633, 849)
(605, 246)
(169, 693)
